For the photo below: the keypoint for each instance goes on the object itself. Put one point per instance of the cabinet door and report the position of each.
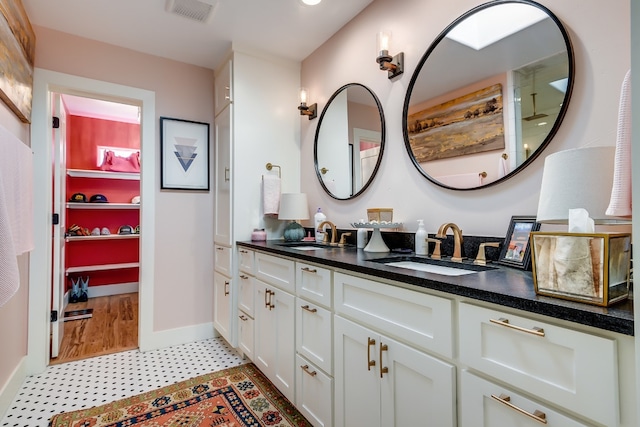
(313, 334)
(417, 390)
(485, 404)
(245, 260)
(314, 393)
(357, 393)
(246, 294)
(223, 87)
(222, 262)
(274, 336)
(245, 335)
(222, 185)
(314, 283)
(222, 305)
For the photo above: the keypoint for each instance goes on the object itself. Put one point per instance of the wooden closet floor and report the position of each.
(112, 328)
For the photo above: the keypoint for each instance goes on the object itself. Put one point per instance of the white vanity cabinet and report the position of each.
(314, 344)
(575, 370)
(274, 330)
(223, 87)
(246, 302)
(379, 379)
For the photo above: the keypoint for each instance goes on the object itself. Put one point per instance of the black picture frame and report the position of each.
(184, 155)
(516, 249)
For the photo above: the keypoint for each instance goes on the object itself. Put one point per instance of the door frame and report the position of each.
(40, 263)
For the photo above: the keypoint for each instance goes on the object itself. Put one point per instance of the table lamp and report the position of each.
(577, 178)
(294, 207)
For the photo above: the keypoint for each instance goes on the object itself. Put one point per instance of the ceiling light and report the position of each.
(560, 85)
(310, 2)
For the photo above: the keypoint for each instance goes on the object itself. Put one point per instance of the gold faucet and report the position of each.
(334, 232)
(481, 258)
(457, 239)
(343, 239)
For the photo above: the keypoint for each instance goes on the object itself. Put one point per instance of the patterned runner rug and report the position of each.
(236, 397)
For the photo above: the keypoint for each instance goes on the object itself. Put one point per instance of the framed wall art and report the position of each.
(184, 155)
(516, 251)
(17, 50)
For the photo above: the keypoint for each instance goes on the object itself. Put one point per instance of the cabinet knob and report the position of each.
(383, 369)
(370, 363)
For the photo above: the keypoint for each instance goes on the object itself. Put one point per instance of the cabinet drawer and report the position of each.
(276, 271)
(421, 319)
(314, 392)
(245, 335)
(245, 260)
(485, 404)
(314, 283)
(313, 334)
(222, 262)
(575, 370)
(246, 293)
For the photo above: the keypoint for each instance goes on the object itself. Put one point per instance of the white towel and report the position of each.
(503, 167)
(270, 194)
(462, 180)
(620, 202)
(16, 210)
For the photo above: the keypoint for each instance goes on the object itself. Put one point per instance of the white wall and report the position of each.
(600, 33)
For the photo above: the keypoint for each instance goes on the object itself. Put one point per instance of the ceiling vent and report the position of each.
(197, 10)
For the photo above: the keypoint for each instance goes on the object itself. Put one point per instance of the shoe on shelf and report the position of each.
(105, 231)
(95, 232)
(136, 230)
(75, 291)
(84, 289)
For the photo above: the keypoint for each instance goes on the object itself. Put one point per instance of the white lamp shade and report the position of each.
(577, 178)
(293, 206)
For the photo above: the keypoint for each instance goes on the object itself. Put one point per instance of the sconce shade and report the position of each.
(577, 178)
(293, 206)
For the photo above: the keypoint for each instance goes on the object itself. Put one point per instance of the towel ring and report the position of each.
(271, 166)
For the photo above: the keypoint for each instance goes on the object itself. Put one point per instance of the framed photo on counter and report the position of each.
(516, 251)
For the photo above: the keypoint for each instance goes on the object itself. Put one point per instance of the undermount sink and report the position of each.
(306, 246)
(442, 267)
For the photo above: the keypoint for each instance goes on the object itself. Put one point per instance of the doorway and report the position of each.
(96, 194)
(47, 83)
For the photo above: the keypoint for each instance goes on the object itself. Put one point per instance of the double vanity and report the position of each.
(356, 338)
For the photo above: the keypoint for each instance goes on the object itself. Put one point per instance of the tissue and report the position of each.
(580, 222)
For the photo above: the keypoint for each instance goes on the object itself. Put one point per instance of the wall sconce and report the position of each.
(394, 65)
(310, 111)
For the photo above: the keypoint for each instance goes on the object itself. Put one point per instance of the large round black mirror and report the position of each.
(488, 95)
(349, 141)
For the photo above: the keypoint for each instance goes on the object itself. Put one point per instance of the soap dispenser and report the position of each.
(318, 218)
(420, 239)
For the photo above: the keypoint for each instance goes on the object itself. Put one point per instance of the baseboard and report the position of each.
(116, 289)
(12, 386)
(177, 336)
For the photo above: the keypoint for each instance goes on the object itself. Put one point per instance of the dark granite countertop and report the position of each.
(505, 286)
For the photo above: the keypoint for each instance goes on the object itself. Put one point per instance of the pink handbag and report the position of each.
(115, 163)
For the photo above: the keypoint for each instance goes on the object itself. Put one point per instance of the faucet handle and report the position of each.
(481, 259)
(436, 251)
(343, 238)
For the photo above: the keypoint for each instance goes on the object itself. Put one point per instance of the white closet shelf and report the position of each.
(85, 173)
(102, 237)
(100, 206)
(101, 267)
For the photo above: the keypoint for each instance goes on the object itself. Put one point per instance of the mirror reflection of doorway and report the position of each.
(96, 189)
(364, 162)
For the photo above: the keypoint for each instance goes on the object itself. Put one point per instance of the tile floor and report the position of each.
(103, 379)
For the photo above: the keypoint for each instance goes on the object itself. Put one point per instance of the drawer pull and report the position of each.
(244, 277)
(383, 369)
(226, 288)
(242, 251)
(309, 270)
(306, 369)
(219, 248)
(310, 310)
(539, 416)
(505, 322)
(370, 362)
(267, 292)
(243, 317)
